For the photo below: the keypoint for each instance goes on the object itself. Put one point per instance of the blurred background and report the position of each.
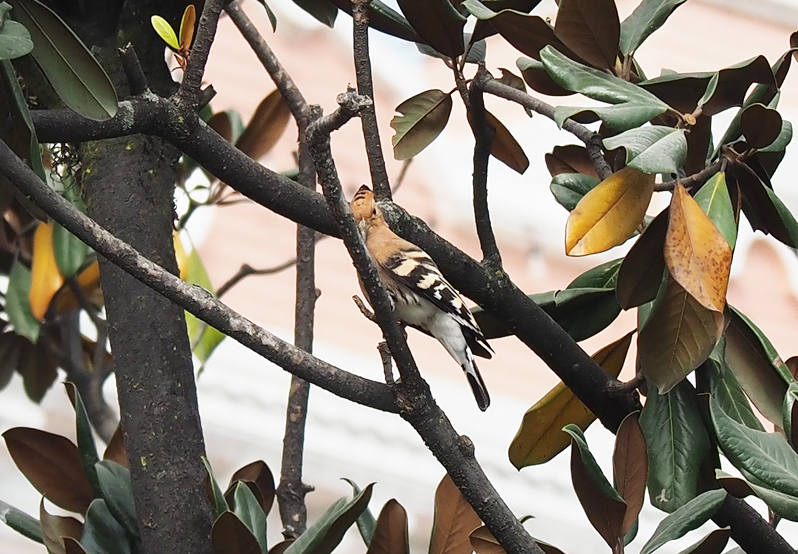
(242, 397)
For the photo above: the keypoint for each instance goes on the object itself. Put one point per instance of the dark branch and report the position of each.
(365, 87)
(696, 179)
(483, 135)
(194, 299)
(188, 96)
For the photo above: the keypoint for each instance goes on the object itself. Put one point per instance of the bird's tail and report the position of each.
(477, 384)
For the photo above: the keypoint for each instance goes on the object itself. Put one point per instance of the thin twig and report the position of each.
(483, 135)
(696, 179)
(365, 87)
(133, 71)
(387, 363)
(188, 96)
(402, 174)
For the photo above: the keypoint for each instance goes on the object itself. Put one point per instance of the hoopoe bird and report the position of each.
(422, 298)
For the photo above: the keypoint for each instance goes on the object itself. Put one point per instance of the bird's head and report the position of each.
(364, 208)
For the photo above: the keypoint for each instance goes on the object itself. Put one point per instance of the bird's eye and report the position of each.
(374, 212)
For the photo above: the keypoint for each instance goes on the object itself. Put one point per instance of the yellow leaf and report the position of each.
(182, 257)
(678, 337)
(697, 255)
(165, 31)
(540, 436)
(89, 281)
(187, 27)
(609, 214)
(46, 278)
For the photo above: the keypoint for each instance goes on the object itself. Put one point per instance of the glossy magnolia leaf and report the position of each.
(14, 37)
(165, 31)
(52, 465)
(687, 518)
(266, 126)
(259, 474)
(365, 521)
(423, 118)
(540, 436)
(115, 450)
(782, 141)
(476, 51)
(326, 533)
(281, 547)
(630, 468)
(74, 74)
(756, 365)
(24, 524)
(714, 199)
(117, 492)
(609, 214)
(384, 19)
(727, 392)
(204, 338)
(453, 521)
(652, 149)
(644, 20)
(511, 79)
(231, 536)
(86, 445)
(55, 528)
(18, 306)
(760, 125)
(390, 532)
(783, 505)
(438, 24)
(678, 336)
(640, 274)
(590, 28)
(789, 412)
(570, 158)
(187, 27)
(322, 10)
(602, 504)
(504, 146)
(696, 253)
(270, 14)
(569, 188)
(713, 543)
(248, 509)
(677, 443)
(38, 368)
(536, 76)
(70, 251)
(214, 491)
(766, 459)
(46, 278)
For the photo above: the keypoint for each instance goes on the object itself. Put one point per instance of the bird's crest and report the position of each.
(362, 205)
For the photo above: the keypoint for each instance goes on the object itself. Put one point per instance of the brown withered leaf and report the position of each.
(640, 275)
(610, 213)
(454, 520)
(55, 528)
(231, 536)
(696, 253)
(258, 475)
(116, 451)
(483, 542)
(390, 532)
(504, 147)
(591, 29)
(630, 467)
(678, 337)
(570, 158)
(266, 126)
(540, 436)
(52, 465)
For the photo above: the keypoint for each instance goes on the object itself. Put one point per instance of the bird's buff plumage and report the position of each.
(421, 296)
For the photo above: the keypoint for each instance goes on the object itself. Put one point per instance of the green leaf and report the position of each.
(270, 14)
(782, 141)
(248, 509)
(649, 16)
(77, 78)
(423, 118)
(384, 19)
(652, 149)
(728, 393)
(633, 105)
(687, 518)
(713, 543)
(766, 459)
(322, 10)
(323, 536)
(70, 251)
(714, 199)
(18, 304)
(218, 496)
(102, 533)
(14, 37)
(86, 445)
(24, 524)
(602, 504)
(619, 118)
(438, 24)
(677, 444)
(789, 411)
(117, 492)
(165, 31)
(204, 338)
(366, 522)
(569, 188)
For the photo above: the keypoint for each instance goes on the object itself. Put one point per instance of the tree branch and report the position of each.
(365, 87)
(194, 299)
(483, 136)
(418, 407)
(188, 96)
